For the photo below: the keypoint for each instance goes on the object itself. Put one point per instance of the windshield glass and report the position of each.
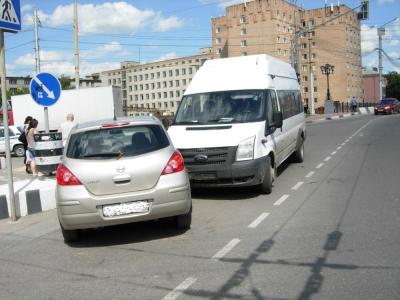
(386, 101)
(222, 107)
(106, 143)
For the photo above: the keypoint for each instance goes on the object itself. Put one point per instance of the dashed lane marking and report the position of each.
(176, 292)
(310, 174)
(319, 165)
(281, 200)
(327, 158)
(297, 185)
(221, 253)
(259, 219)
(333, 153)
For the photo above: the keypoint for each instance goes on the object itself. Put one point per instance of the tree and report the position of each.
(12, 92)
(393, 85)
(65, 82)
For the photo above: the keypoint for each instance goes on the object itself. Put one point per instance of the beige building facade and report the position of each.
(155, 87)
(321, 36)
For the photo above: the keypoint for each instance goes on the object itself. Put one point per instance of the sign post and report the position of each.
(45, 90)
(10, 21)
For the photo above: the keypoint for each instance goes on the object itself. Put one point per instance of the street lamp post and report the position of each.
(327, 69)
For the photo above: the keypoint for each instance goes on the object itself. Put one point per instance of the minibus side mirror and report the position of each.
(278, 119)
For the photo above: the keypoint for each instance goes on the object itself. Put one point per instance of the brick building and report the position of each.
(275, 27)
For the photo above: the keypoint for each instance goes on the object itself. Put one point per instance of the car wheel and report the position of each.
(184, 221)
(70, 235)
(298, 155)
(269, 177)
(19, 150)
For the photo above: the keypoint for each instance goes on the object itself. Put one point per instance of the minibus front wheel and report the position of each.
(269, 177)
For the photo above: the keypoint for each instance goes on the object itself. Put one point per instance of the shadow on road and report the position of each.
(128, 234)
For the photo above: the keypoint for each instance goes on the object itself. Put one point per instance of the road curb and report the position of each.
(31, 196)
(361, 111)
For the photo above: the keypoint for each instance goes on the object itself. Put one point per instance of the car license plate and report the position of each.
(126, 208)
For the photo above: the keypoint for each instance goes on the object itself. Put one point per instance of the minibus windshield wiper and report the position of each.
(221, 120)
(187, 122)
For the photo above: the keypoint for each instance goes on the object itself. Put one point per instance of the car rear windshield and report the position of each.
(114, 142)
(387, 101)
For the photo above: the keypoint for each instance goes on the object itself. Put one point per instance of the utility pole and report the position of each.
(37, 53)
(76, 45)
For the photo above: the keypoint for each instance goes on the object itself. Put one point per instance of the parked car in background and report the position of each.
(120, 171)
(387, 106)
(16, 146)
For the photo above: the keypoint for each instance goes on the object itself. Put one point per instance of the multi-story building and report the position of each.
(314, 38)
(15, 83)
(155, 87)
(371, 85)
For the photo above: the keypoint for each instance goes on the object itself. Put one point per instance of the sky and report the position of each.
(151, 30)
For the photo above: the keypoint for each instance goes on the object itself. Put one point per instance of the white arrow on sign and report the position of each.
(50, 94)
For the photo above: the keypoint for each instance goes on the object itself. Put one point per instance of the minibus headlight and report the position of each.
(245, 149)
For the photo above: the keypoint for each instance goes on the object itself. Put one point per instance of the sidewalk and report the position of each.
(324, 117)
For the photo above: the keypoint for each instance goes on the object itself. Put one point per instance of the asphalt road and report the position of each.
(329, 230)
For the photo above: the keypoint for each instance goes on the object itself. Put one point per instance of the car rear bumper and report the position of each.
(78, 209)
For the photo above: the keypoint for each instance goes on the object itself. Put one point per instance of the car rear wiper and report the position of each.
(104, 154)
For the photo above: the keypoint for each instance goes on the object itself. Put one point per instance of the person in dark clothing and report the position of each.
(25, 143)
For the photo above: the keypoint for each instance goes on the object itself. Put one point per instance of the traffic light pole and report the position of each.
(13, 214)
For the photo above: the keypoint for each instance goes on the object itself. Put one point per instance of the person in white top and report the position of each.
(66, 127)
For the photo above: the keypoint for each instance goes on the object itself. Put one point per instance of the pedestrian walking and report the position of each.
(30, 152)
(65, 128)
(354, 104)
(23, 140)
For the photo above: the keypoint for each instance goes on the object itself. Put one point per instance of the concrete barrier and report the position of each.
(30, 195)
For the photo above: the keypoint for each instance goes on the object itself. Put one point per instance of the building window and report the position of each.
(304, 56)
(171, 83)
(218, 29)
(177, 93)
(165, 95)
(305, 89)
(244, 53)
(305, 78)
(243, 31)
(313, 56)
(176, 82)
(190, 70)
(171, 94)
(183, 81)
(243, 43)
(304, 68)
(242, 19)
(315, 89)
(176, 72)
(218, 41)
(183, 71)
(164, 74)
(146, 76)
(219, 51)
(109, 81)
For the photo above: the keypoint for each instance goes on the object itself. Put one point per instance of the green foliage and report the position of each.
(9, 93)
(65, 82)
(393, 85)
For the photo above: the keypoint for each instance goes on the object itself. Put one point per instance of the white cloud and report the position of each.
(170, 55)
(26, 8)
(113, 47)
(28, 59)
(369, 39)
(167, 24)
(108, 17)
(223, 3)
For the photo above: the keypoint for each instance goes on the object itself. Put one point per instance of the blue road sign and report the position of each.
(10, 15)
(45, 89)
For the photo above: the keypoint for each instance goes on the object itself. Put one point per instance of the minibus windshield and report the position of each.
(222, 107)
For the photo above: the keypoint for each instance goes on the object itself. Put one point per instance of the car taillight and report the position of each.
(174, 165)
(65, 177)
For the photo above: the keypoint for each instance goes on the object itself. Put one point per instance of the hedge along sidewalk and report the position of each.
(31, 196)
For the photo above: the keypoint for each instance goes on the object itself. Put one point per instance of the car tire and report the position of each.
(184, 221)
(269, 177)
(298, 155)
(19, 150)
(70, 235)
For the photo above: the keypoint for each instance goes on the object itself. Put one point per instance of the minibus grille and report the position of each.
(206, 156)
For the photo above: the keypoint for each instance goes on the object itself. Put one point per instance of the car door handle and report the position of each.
(120, 179)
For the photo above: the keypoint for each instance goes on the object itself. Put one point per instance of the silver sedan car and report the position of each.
(120, 171)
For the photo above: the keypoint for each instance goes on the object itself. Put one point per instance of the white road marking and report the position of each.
(221, 253)
(361, 134)
(327, 158)
(297, 185)
(281, 200)
(176, 292)
(310, 174)
(333, 153)
(259, 219)
(319, 166)
(338, 148)
(343, 144)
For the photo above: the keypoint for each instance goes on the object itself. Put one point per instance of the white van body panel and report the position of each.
(243, 73)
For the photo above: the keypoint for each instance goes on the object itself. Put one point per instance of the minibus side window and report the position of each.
(272, 107)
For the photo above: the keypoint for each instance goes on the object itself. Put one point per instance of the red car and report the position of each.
(387, 106)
